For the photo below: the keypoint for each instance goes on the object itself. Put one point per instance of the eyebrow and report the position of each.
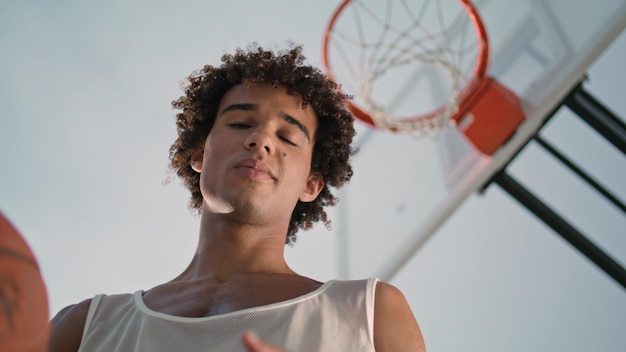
(254, 107)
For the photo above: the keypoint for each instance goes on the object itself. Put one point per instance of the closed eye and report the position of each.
(239, 125)
(288, 141)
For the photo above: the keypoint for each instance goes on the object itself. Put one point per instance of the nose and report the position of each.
(260, 139)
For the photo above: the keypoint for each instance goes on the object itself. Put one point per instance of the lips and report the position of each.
(255, 169)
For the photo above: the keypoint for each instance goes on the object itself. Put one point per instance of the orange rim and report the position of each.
(467, 94)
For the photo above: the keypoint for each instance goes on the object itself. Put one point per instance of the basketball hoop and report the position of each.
(418, 66)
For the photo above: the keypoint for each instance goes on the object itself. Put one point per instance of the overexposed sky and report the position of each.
(86, 124)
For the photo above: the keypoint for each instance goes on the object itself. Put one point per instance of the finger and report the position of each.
(254, 344)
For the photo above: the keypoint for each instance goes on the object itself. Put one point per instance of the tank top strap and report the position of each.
(93, 307)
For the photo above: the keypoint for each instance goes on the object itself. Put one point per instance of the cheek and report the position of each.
(211, 168)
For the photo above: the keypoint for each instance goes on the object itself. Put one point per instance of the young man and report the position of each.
(261, 139)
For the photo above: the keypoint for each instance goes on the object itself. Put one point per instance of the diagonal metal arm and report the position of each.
(578, 171)
(562, 227)
(598, 117)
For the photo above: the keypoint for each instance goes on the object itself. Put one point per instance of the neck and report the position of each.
(227, 249)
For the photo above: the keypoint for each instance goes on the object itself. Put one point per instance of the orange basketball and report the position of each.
(23, 300)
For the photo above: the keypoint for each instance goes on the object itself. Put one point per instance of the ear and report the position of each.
(196, 160)
(312, 188)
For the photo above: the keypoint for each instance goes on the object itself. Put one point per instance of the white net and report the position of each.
(405, 63)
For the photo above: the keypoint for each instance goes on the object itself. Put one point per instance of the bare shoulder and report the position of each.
(67, 326)
(395, 327)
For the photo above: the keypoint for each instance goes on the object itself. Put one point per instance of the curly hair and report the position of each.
(332, 149)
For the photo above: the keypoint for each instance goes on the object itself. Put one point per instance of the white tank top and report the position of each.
(338, 316)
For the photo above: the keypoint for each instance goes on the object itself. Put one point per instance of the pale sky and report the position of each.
(85, 92)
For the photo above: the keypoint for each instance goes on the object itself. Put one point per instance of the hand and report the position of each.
(255, 344)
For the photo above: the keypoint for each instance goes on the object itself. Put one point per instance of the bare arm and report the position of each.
(67, 327)
(395, 327)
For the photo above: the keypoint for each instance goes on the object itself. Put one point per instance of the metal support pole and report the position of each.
(578, 171)
(562, 227)
(598, 117)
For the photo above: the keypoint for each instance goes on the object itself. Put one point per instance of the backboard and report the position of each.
(540, 50)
